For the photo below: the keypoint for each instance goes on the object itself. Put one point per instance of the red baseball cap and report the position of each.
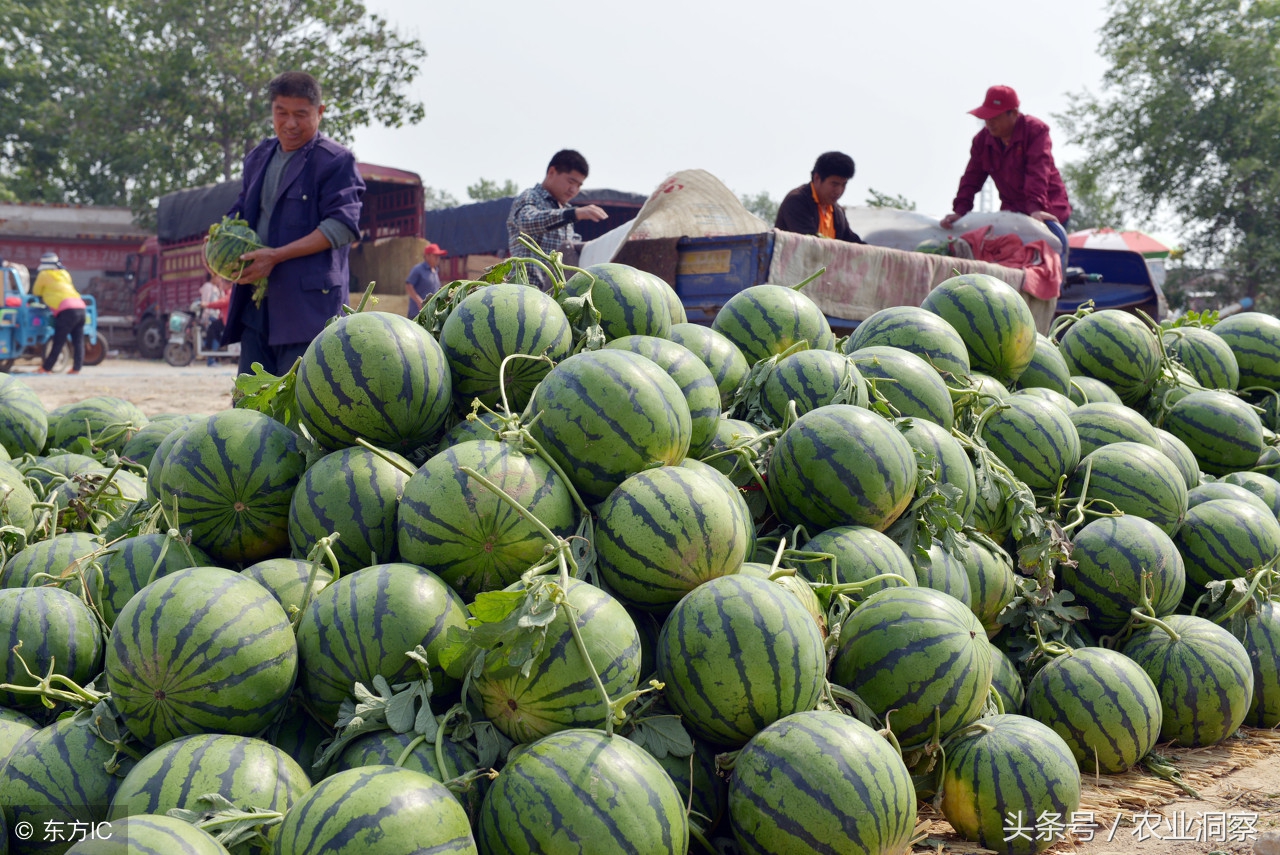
(434, 249)
(1000, 99)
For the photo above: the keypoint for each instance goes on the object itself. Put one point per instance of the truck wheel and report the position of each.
(5, 365)
(64, 358)
(179, 354)
(95, 353)
(152, 336)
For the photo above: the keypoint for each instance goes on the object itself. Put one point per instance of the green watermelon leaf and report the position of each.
(662, 736)
(229, 823)
(268, 394)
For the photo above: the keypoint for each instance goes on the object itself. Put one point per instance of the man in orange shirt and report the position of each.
(811, 208)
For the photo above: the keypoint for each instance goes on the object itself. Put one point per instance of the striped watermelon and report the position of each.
(811, 378)
(376, 376)
(286, 579)
(558, 692)
(1103, 706)
(842, 465)
(1206, 355)
(457, 528)
(493, 323)
(142, 445)
(202, 650)
(15, 727)
(136, 561)
(248, 772)
(947, 457)
(385, 747)
(1177, 451)
(606, 415)
(1112, 555)
(376, 810)
(1254, 338)
(630, 301)
(56, 630)
(479, 425)
(1115, 347)
(1226, 539)
(1102, 423)
(665, 531)
(765, 320)
(1263, 486)
(233, 476)
(727, 364)
(1047, 369)
(1059, 400)
(16, 500)
(1222, 431)
(909, 384)
(917, 330)
(146, 832)
(109, 422)
(1210, 490)
(228, 240)
(988, 388)
(992, 318)
(722, 651)
(1002, 776)
(1137, 479)
(860, 554)
(72, 554)
(582, 791)
(1006, 681)
(155, 468)
(24, 424)
(354, 492)
(699, 781)
(693, 378)
(1035, 439)
(992, 581)
(821, 782)
(674, 304)
(921, 653)
(1259, 633)
(1087, 390)
(1203, 675)
(360, 626)
(943, 571)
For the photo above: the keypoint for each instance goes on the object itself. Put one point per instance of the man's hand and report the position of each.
(262, 262)
(1044, 217)
(950, 220)
(590, 212)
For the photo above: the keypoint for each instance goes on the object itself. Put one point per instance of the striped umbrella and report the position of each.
(1133, 241)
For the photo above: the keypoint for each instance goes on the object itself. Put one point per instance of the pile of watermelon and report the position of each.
(559, 572)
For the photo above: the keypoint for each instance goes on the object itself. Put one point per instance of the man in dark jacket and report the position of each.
(811, 208)
(301, 193)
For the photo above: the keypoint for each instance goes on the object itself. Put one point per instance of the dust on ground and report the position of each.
(151, 384)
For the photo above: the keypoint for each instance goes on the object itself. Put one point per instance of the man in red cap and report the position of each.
(1015, 150)
(424, 278)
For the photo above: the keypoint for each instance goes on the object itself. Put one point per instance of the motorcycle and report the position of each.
(186, 340)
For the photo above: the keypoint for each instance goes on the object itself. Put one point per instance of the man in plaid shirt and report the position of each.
(543, 212)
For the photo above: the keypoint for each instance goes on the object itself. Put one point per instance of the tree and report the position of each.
(1093, 205)
(435, 199)
(1189, 122)
(762, 205)
(484, 190)
(119, 103)
(876, 199)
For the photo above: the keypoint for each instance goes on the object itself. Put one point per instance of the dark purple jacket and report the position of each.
(320, 182)
(1024, 171)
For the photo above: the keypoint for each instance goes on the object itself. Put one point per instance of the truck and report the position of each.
(165, 274)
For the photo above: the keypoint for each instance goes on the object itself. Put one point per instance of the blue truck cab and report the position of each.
(26, 323)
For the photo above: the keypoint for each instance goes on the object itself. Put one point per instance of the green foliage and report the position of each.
(119, 103)
(435, 199)
(485, 190)
(1189, 122)
(876, 199)
(1094, 204)
(762, 205)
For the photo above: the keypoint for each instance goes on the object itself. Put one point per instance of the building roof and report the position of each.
(79, 222)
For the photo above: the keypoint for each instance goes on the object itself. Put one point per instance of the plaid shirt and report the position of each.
(535, 212)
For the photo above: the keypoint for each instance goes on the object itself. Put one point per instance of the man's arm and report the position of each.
(795, 216)
(535, 221)
(264, 260)
(970, 183)
(1039, 167)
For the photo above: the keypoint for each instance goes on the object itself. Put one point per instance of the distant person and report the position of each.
(543, 211)
(811, 208)
(1015, 151)
(424, 278)
(214, 300)
(53, 285)
(301, 193)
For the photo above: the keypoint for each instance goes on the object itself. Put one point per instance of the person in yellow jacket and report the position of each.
(53, 285)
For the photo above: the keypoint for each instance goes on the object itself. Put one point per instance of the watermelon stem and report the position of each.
(72, 692)
(395, 460)
(800, 286)
(1265, 574)
(1155, 621)
(322, 549)
(578, 501)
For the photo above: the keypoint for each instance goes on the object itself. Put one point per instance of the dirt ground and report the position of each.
(153, 385)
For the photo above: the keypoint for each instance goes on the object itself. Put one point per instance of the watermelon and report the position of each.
(16, 500)
(1203, 674)
(24, 424)
(228, 240)
(1059, 400)
(606, 415)
(376, 376)
(459, 529)
(944, 454)
(699, 781)
(992, 318)
(156, 465)
(1226, 539)
(1006, 682)
(1002, 776)
(766, 320)
(919, 653)
(73, 555)
(812, 379)
(375, 810)
(1035, 439)
(992, 581)
(1047, 369)
(1102, 423)
(136, 561)
(558, 692)
(842, 465)
(1112, 555)
(630, 301)
(15, 727)
(496, 322)
(479, 425)
(909, 384)
(142, 446)
(1222, 431)
(821, 782)
(943, 571)
(354, 492)
(56, 630)
(917, 330)
(233, 477)
(860, 554)
(1210, 490)
(1135, 478)
(665, 531)
(674, 304)
(107, 421)
(693, 378)
(1103, 706)
(1263, 486)
(1087, 390)
(737, 654)
(202, 650)
(147, 832)
(582, 791)
(1177, 451)
(1259, 633)
(385, 747)
(988, 388)
(1254, 338)
(1115, 347)
(360, 626)
(1206, 356)
(727, 364)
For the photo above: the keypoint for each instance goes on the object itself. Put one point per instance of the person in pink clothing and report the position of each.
(1015, 151)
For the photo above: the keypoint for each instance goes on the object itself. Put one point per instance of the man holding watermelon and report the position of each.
(301, 193)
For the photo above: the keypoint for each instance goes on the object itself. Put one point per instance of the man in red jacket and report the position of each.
(1015, 150)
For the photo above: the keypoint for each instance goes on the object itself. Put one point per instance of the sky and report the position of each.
(749, 91)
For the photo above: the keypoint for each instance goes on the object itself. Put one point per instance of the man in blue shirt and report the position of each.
(424, 278)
